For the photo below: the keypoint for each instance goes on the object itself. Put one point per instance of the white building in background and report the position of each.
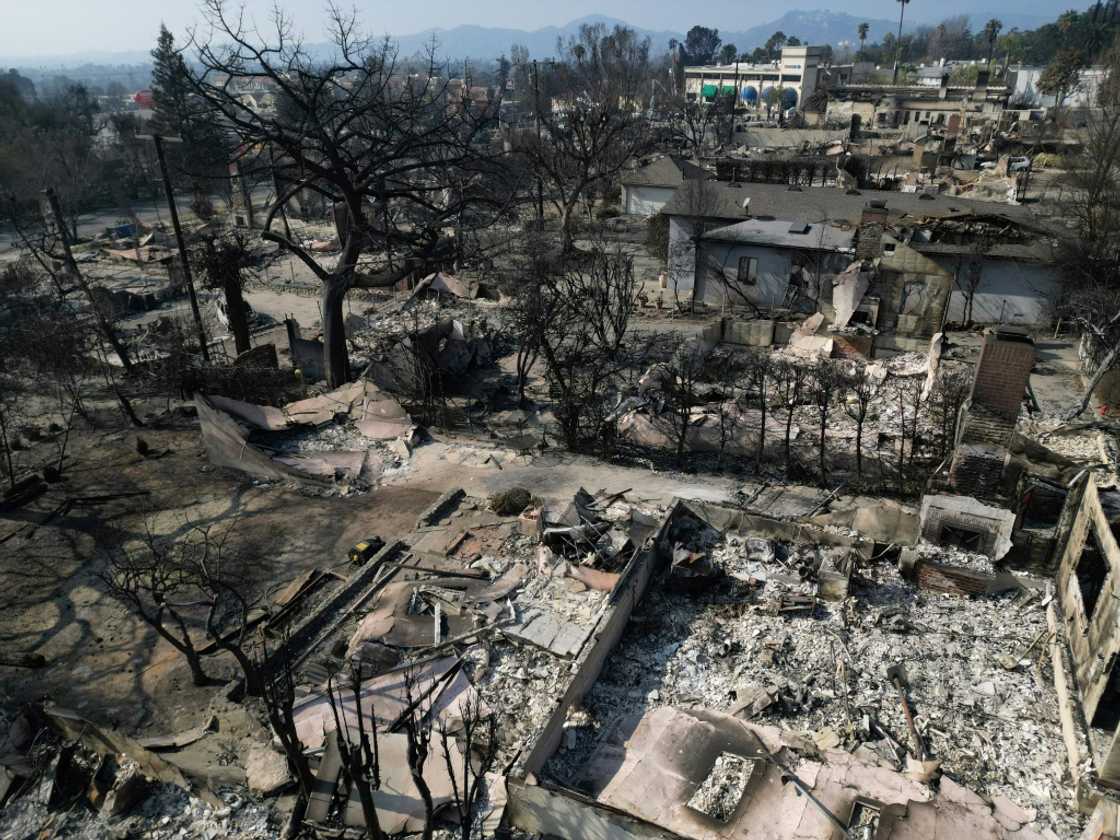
(794, 76)
(1022, 83)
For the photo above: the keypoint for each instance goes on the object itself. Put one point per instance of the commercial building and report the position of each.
(793, 78)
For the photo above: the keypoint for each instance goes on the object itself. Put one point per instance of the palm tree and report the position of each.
(991, 32)
(898, 54)
(862, 29)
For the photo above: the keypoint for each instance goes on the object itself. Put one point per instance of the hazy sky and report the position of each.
(52, 27)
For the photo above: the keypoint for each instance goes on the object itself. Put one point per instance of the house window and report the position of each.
(1091, 572)
(748, 271)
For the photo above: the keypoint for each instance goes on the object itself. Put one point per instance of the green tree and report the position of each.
(991, 32)
(728, 53)
(202, 156)
(773, 45)
(1061, 76)
(862, 29)
(701, 44)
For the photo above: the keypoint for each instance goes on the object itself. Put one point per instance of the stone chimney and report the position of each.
(873, 219)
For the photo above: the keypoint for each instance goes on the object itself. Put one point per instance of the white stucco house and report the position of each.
(776, 247)
(646, 190)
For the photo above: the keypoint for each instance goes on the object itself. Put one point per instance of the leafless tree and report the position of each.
(733, 370)
(759, 371)
(426, 737)
(906, 393)
(588, 303)
(1090, 254)
(201, 571)
(948, 395)
(9, 416)
(825, 381)
(279, 695)
(791, 379)
(221, 263)
(361, 767)
(968, 276)
(47, 345)
(478, 752)
(228, 576)
(680, 376)
(154, 583)
(863, 389)
(532, 306)
(607, 289)
(594, 123)
(697, 124)
(399, 156)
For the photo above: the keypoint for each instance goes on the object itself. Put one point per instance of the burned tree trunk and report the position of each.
(335, 355)
(238, 315)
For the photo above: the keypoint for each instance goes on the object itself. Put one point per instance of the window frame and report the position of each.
(752, 271)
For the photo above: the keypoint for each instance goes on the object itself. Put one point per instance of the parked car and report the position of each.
(1019, 164)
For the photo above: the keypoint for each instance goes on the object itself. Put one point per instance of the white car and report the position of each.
(1019, 164)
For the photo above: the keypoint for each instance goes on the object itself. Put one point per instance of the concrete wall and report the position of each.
(306, 355)
(551, 812)
(589, 664)
(645, 201)
(1009, 293)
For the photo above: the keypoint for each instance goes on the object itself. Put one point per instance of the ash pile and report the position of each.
(785, 625)
(473, 628)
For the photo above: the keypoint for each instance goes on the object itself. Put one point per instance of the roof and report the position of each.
(663, 172)
(1034, 251)
(719, 200)
(813, 237)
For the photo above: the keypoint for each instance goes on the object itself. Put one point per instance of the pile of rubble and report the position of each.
(348, 438)
(760, 642)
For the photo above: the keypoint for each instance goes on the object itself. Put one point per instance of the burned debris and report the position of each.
(477, 466)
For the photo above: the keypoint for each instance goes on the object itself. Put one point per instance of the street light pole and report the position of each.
(183, 258)
(898, 41)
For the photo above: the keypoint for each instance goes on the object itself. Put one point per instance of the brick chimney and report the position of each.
(872, 221)
(1002, 373)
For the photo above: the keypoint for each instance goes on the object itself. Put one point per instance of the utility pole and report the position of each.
(72, 269)
(734, 104)
(898, 42)
(537, 117)
(183, 258)
(276, 189)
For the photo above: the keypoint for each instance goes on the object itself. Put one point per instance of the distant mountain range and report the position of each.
(488, 42)
(812, 27)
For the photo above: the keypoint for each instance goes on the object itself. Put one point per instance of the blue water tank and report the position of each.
(749, 94)
(789, 98)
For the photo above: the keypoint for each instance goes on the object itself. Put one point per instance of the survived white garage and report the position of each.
(649, 188)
